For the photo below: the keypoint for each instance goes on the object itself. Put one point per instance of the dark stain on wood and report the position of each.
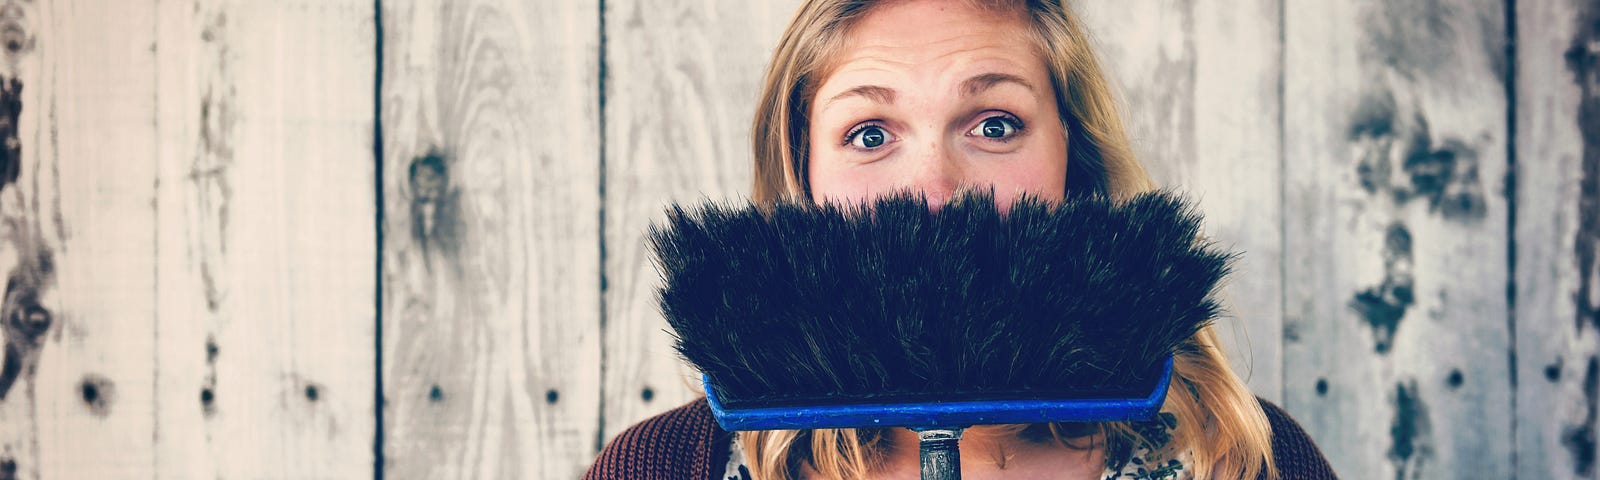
(209, 33)
(208, 395)
(1443, 173)
(312, 392)
(1372, 128)
(1552, 372)
(1446, 176)
(22, 319)
(212, 187)
(1322, 387)
(208, 399)
(98, 393)
(1409, 433)
(10, 120)
(1456, 379)
(550, 396)
(1382, 307)
(1579, 439)
(1583, 60)
(647, 394)
(211, 195)
(435, 394)
(15, 34)
(434, 207)
(8, 469)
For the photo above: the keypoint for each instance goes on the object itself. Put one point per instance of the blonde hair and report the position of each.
(1219, 422)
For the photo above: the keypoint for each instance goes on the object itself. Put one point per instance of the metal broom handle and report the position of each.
(941, 453)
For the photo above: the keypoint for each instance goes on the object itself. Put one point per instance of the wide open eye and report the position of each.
(868, 137)
(998, 127)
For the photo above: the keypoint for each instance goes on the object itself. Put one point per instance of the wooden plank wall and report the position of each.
(188, 240)
(403, 238)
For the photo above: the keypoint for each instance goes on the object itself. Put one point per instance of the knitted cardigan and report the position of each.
(686, 444)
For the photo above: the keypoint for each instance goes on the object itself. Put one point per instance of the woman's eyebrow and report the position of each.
(875, 93)
(984, 81)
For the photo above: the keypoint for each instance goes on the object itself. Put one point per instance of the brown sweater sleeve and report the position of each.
(1296, 456)
(683, 443)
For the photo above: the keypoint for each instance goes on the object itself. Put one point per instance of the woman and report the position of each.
(866, 97)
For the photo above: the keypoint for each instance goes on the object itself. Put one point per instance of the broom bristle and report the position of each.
(804, 303)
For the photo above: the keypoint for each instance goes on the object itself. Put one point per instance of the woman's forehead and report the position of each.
(947, 47)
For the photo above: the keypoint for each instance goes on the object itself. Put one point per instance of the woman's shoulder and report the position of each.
(680, 443)
(1295, 455)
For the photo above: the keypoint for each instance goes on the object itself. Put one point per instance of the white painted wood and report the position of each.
(77, 241)
(1395, 139)
(1201, 86)
(683, 76)
(1558, 215)
(491, 238)
(266, 224)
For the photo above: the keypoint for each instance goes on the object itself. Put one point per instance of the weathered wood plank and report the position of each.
(683, 76)
(491, 238)
(1396, 344)
(1557, 186)
(76, 240)
(1201, 82)
(266, 365)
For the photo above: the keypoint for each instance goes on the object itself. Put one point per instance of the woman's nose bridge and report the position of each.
(939, 170)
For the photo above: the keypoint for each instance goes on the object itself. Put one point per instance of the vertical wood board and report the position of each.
(265, 219)
(1201, 88)
(491, 238)
(1557, 186)
(1396, 343)
(76, 240)
(681, 86)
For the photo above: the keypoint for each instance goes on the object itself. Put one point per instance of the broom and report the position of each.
(892, 314)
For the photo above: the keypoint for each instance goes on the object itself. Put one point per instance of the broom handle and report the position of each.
(941, 453)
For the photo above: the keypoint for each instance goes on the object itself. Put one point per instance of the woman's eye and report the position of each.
(996, 127)
(868, 137)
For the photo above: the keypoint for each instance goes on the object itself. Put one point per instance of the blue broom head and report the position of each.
(891, 313)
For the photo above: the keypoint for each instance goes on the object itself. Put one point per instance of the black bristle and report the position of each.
(803, 303)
